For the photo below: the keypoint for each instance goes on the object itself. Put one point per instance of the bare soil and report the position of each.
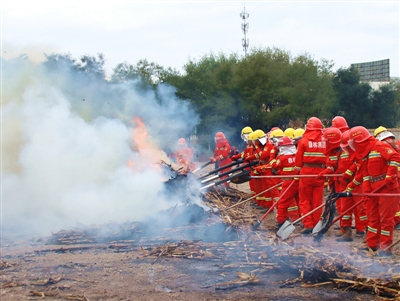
(33, 269)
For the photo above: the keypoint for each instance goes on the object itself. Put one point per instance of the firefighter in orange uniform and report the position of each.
(265, 152)
(348, 166)
(222, 153)
(285, 165)
(340, 123)
(380, 175)
(183, 156)
(247, 152)
(260, 153)
(310, 159)
(382, 134)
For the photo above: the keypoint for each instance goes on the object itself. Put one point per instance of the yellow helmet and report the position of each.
(298, 133)
(259, 133)
(246, 130)
(252, 136)
(276, 134)
(379, 130)
(289, 132)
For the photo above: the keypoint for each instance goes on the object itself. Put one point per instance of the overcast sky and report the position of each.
(172, 32)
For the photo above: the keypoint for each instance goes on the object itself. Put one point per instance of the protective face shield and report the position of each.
(383, 135)
(287, 149)
(263, 140)
(245, 137)
(275, 140)
(352, 144)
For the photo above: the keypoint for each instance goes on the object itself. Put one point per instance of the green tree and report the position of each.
(150, 72)
(352, 98)
(384, 109)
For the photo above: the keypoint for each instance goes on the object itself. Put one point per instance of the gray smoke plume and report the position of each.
(68, 137)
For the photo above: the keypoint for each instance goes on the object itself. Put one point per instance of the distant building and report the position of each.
(375, 73)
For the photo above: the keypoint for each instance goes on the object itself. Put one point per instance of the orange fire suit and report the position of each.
(263, 154)
(184, 158)
(287, 206)
(310, 159)
(247, 152)
(346, 166)
(221, 155)
(381, 167)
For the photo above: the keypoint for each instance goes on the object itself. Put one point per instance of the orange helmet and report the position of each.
(219, 136)
(314, 123)
(358, 134)
(181, 141)
(332, 137)
(285, 141)
(340, 123)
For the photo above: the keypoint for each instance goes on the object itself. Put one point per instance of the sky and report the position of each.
(170, 33)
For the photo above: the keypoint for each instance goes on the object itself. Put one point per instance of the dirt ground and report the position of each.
(33, 269)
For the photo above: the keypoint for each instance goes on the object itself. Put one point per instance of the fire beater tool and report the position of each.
(254, 196)
(319, 234)
(294, 176)
(202, 166)
(231, 171)
(221, 168)
(287, 228)
(258, 223)
(328, 214)
(228, 179)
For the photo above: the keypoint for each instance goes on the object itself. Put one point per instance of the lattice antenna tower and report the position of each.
(245, 28)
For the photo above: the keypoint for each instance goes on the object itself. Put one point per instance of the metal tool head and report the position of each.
(285, 230)
(318, 227)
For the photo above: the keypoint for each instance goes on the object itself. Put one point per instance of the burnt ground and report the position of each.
(253, 266)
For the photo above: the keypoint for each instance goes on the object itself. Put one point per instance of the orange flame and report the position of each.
(147, 148)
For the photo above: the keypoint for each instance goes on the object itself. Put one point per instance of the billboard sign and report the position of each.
(377, 71)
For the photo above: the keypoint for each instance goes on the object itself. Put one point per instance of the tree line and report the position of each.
(269, 87)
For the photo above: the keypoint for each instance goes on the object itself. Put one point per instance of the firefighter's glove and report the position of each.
(391, 182)
(236, 157)
(347, 178)
(213, 160)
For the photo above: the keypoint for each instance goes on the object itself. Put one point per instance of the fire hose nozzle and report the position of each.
(344, 194)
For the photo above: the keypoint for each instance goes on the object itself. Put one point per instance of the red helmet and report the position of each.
(314, 123)
(275, 128)
(344, 140)
(181, 141)
(359, 134)
(332, 135)
(340, 123)
(219, 136)
(285, 141)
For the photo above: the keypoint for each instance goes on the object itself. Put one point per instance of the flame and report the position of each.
(147, 149)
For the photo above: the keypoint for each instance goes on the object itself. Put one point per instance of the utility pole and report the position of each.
(245, 27)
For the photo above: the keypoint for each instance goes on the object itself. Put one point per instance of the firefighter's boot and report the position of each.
(347, 235)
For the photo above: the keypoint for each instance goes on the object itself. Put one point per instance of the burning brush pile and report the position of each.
(221, 229)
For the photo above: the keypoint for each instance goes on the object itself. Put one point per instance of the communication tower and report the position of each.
(245, 27)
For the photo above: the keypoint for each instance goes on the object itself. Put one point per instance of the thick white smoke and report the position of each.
(66, 143)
